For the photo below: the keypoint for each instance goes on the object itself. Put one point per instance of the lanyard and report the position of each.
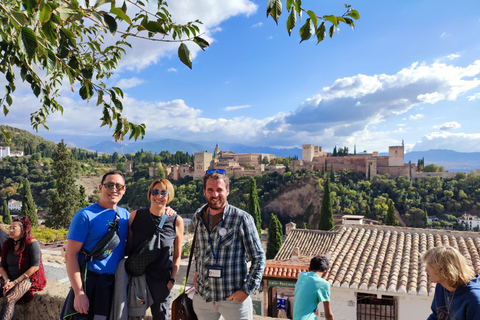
(215, 256)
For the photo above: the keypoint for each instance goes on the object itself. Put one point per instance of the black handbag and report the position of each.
(182, 306)
(148, 252)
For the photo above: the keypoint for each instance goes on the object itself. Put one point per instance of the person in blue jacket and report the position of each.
(457, 294)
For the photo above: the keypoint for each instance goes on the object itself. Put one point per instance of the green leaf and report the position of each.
(289, 4)
(49, 31)
(111, 23)
(306, 30)
(5, 110)
(51, 60)
(291, 21)
(185, 55)
(9, 100)
(154, 27)
(100, 97)
(97, 18)
(6, 134)
(332, 19)
(69, 35)
(27, 41)
(19, 16)
(29, 5)
(354, 14)
(350, 22)
(298, 8)
(331, 31)
(120, 14)
(67, 14)
(45, 13)
(202, 43)
(313, 17)
(86, 91)
(321, 33)
(87, 73)
(100, 2)
(274, 9)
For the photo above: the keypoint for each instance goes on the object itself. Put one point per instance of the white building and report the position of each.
(4, 152)
(14, 205)
(469, 221)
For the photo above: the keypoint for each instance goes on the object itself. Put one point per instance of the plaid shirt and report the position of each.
(239, 244)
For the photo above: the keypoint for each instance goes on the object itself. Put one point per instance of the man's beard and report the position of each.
(216, 205)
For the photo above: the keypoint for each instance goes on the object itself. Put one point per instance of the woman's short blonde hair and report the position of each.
(166, 184)
(450, 264)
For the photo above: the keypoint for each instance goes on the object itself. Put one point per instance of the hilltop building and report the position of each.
(234, 164)
(469, 221)
(5, 152)
(14, 205)
(370, 164)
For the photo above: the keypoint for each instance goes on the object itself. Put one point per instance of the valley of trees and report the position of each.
(350, 193)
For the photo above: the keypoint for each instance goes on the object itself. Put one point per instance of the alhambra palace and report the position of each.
(313, 158)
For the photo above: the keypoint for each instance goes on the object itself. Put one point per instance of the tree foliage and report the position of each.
(67, 42)
(254, 207)
(7, 218)
(63, 201)
(275, 234)
(326, 212)
(28, 205)
(51, 41)
(391, 219)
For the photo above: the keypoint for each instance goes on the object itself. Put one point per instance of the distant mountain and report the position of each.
(169, 145)
(173, 146)
(451, 160)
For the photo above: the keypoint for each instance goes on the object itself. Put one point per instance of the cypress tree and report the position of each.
(391, 219)
(275, 234)
(63, 201)
(28, 205)
(7, 218)
(254, 206)
(335, 151)
(82, 199)
(332, 174)
(326, 212)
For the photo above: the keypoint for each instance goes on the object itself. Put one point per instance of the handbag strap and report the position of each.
(191, 252)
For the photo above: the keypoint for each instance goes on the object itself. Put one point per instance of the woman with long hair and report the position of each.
(457, 294)
(143, 223)
(22, 270)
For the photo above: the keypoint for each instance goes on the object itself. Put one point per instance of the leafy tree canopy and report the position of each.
(48, 42)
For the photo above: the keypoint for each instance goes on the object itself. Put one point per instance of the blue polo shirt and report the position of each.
(310, 289)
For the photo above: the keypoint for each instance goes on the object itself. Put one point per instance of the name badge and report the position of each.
(215, 271)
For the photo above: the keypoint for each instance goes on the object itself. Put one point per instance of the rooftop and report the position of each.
(372, 258)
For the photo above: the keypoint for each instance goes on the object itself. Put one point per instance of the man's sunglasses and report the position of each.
(220, 171)
(156, 192)
(110, 186)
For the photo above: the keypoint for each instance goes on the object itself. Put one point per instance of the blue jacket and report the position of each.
(465, 302)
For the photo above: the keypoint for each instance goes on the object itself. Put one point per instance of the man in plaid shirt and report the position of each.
(226, 239)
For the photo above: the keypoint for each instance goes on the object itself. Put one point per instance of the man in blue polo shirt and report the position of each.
(312, 288)
(88, 227)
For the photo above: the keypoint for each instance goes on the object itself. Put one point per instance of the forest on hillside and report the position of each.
(446, 199)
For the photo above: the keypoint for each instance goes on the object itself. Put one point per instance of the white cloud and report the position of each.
(211, 12)
(463, 142)
(172, 70)
(449, 126)
(256, 25)
(236, 107)
(474, 97)
(417, 116)
(129, 83)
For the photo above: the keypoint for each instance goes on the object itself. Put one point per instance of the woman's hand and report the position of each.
(170, 285)
(169, 211)
(8, 286)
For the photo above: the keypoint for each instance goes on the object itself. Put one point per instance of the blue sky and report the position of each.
(410, 70)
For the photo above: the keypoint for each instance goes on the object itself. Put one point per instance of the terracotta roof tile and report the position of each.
(373, 258)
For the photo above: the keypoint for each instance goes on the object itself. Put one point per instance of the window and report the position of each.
(369, 307)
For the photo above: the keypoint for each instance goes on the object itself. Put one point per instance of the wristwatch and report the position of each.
(173, 280)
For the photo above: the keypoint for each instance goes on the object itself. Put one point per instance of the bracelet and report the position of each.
(7, 280)
(26, 276)
(173, 280)
(15, 281)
